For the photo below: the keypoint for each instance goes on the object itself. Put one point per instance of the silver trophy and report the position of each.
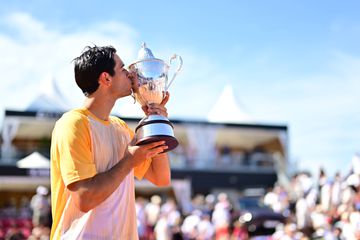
(152, 75)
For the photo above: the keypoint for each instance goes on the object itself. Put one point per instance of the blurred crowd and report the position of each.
(209, 218)
(324, 209)
(28, 219)
(320, 207)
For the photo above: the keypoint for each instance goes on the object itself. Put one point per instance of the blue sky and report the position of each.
(289, 62)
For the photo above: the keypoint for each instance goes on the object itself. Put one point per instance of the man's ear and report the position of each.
(105, 79)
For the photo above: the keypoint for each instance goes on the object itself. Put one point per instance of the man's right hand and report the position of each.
(143, 152)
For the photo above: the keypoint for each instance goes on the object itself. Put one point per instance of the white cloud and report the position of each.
(26, 28)
(37, 52)
(33, 52)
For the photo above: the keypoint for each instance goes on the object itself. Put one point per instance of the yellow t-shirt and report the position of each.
(83, 145)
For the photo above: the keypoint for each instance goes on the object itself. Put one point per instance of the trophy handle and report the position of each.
(177, 70)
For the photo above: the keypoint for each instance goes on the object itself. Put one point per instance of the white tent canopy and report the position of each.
(34, 160)
(50, 98)
(227, 109)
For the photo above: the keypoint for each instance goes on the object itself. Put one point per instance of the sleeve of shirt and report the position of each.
(140, 170)
(74, 149)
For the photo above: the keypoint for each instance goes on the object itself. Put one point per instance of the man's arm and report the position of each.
(90, 192)
(159, 171)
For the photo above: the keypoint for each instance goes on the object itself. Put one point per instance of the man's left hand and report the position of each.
(158, 109)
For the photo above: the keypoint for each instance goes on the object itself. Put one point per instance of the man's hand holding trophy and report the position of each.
(151, 88)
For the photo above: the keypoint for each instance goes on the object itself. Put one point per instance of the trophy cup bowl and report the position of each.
(152, 76)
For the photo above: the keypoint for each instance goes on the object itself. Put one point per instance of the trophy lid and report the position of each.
(144, 52)
(145, 56)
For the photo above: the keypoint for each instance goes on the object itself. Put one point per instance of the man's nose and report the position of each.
(129, 74)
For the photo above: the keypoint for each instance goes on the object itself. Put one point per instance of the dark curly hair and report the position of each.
(90, 64)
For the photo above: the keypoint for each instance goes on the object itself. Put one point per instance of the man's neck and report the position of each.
(100, 107)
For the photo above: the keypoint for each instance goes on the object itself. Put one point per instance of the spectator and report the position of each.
(336, 191)
(205, 229)
(152, 211)
(141, 218)
(189, 226)
(221, 217)
(41, 207)
(162, 230)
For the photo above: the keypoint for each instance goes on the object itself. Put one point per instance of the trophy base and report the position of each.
(170, 141)
(156, 128)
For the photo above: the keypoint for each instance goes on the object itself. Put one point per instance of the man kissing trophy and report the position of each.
(152, 75)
